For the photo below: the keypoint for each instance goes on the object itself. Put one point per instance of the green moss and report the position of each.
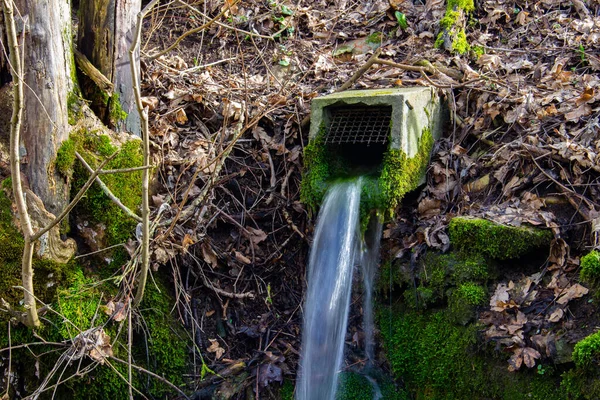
(478, 51)
(319, 169)
(437, 359)
(465, 5)
(74, 103)
(353, 386)
(48, 275)
(471, 293)
(480, 236)
(286, 392)
(451, 26)
(587, 351)
(590, 267)
(115, 110)
(65, 158)
(460, 44)
(374, 38)
(160, 345)
(449, 19)
(463, 301)
(125, 186)
(382, 190)
(580, 384)
(443, 271)
(168, 342)
(80, 304)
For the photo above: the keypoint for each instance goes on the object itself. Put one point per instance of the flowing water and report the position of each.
(328, 296)
(369, 264)
(337, 247)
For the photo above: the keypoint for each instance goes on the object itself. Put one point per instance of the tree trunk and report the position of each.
(105, 35)
(48, 70)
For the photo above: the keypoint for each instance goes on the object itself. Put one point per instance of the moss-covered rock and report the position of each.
(587, 351)
(95, 205)
(438, 359)
(501, 242)
(590, 268)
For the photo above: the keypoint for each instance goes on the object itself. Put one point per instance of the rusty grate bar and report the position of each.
(364, 125)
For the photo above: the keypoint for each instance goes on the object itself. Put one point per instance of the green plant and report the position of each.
(587, 351)
(590, 267)
(471, 293)
(65, 158)
(581, 51)
(401, 18)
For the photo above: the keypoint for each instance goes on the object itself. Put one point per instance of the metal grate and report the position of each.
(366, 125)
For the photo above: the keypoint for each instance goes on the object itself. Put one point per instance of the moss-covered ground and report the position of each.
(96, 206)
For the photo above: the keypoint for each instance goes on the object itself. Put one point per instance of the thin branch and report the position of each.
(107, 191)
(75, 200)
(372, 60)
(31, 318)
(143, 112)
(183, 36)
(101, 81)
(152, 374)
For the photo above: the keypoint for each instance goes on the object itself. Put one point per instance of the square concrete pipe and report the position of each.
(384, 118)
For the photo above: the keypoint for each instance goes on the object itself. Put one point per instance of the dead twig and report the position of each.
(143, 112)
(107, 191)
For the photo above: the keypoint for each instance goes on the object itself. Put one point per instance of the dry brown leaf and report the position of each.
(100, 349)
(499, 298)
(180, 116)
(187, 242)
(256, 235)
(215, 348)
(478, 185)
(209, 254)
(429, 207)
(574, 292)
(242, 258)
(526, 355)
(151, 102)
(556, 315)
(587, 95)
(559, 252)
(582, 111)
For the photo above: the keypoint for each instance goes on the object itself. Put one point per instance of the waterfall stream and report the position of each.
(337, 248)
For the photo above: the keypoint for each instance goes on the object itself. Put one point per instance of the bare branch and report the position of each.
(107, 191)
(75, 200)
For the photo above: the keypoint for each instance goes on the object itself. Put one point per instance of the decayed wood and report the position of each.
(104, 37)
(101, 81)
(47, 74)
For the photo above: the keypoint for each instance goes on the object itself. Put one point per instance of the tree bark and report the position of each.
(105, 35)
(48, 69)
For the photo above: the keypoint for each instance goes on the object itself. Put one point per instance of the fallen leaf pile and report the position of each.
(525, 316)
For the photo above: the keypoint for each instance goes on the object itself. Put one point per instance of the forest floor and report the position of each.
(522, 148)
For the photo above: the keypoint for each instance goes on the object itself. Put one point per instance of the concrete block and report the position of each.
(413, 110)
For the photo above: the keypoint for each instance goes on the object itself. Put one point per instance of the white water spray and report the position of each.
(328, 296)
